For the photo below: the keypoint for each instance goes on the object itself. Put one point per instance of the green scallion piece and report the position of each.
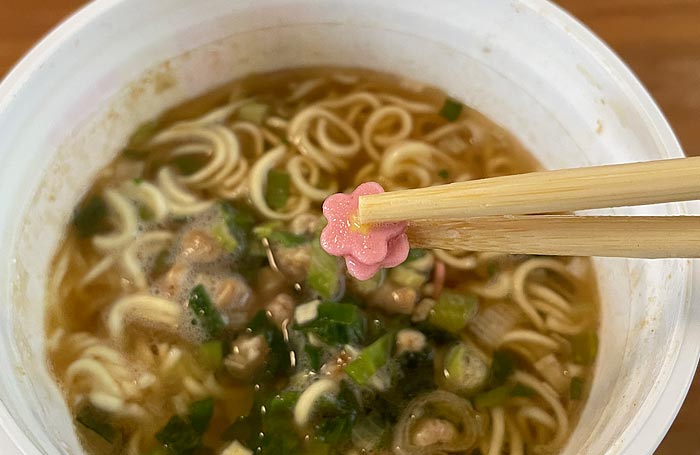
(91, 218)
(464, 371)
(325, 273)
(370, 360)
(576, 388)
(96, 421)
(253, 112)
(179, 437)
(287, 239)
(364, 287)
(200, 414)
(266, 229)
(277, 189)
(145, 213)
(453, 311)
(211, 354)
(203, 308)
(451, 109)
(502, 367)
(415, 253)
(520, 390)
(337, 323)
(224, 238)
(182, 436)
(584, 347)
(492, 398)
(406, 276)
(161, 263)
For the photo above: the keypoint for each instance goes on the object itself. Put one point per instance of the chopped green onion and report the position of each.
(189, 164)
(183, 437)
(497, 396)
(453, 311)
(325, 273)
(502, 367)
(492, 398)
(335, 430)
(253, 112)
(203, 308)
(369, 433)
(277, 361)
(337, 323)
(316, 447)
(365, 287)
(245, 428)
(415, 253)
(313, 354)
(224, 238)
(417, 369)
(238, 217)
(284, 401)
(265, 230)
(277, 189)
(91, 218)
(161, 263)
(451, 109)
(444, 174)
(146, 214)
(340, 313)
(200, 414)
(287, 239)
(576, 388)
(275, 233)
(584, 347)
(276, 433)
(211, 354)
(521, 390)
(464, 371)
(283, 441)
(96, 421)
(370, 360)
(137, 181)
(179, 437)
(408, 277)
(237, 238)
(336, 417)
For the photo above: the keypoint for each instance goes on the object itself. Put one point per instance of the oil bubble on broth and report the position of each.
(195, 312)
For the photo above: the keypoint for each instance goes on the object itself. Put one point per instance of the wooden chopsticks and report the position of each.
(564, 235)
(502, 214)
(541, 192)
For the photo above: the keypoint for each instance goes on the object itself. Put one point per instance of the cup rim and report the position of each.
(662, 413)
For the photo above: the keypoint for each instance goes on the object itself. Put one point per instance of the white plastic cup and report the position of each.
(68, 107)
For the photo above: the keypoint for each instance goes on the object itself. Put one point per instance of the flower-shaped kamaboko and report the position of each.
(366, 249)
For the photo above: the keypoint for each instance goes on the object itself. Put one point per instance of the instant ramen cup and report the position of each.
(70, 105)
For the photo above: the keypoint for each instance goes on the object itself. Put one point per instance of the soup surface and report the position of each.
(193, 311)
